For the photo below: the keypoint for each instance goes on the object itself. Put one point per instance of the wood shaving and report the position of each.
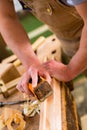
(10, 115)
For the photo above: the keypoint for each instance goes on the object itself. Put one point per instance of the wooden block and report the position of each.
(8, 72)
(51, 48)
(4, 88)
(9, 85)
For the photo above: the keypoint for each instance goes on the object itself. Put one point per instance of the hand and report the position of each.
(57, 70)
(32, 73)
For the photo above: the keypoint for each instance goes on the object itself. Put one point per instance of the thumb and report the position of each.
(34, 80)
(48, 78)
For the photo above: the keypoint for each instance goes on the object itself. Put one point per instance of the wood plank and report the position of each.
(58, 112)
(50, 118)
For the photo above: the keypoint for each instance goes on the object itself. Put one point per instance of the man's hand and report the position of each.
(58, 70)
(32, 73)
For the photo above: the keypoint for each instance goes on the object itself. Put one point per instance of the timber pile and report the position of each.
(58, 112)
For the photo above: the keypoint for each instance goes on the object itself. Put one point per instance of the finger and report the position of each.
(26, 90)
(25, 85)
(34, 79)
(23, 88)
(48, 78)
(19, 88)
(33, 73)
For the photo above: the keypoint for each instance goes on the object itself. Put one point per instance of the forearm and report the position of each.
(17, 39)
(15, 35)
(79, 61)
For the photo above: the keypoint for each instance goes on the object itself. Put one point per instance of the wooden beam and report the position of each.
(50, 118)
(58, 112)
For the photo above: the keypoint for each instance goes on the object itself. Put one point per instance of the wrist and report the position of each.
(69, 74)
(28, 57)
(31, 61)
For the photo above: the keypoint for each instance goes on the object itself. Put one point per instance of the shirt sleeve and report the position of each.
(75, 2)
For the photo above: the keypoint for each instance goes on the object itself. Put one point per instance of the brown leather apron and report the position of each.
(63, 20)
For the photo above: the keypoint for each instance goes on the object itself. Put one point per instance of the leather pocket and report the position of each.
(42, 7)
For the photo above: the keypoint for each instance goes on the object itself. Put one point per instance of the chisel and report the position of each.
(2, 104)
